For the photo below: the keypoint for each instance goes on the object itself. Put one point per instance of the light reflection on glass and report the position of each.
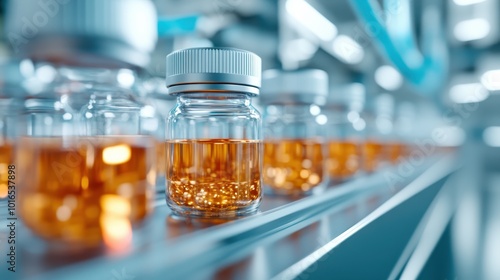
(115, 224)
(116, 154)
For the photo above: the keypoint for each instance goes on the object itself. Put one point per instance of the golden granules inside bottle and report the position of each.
(214, 177)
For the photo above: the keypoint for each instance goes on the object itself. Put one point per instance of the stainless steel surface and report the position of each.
(378, 240)
(284, 235)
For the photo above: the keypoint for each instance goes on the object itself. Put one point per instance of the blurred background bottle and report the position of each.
(380, 130)
(213, 135)
(157, 96)
(12, 75)
(294, 130)
(89, 139)
(405, 131)
(346, 131)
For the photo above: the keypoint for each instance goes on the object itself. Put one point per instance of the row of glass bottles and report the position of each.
(90, 151)
(313, 139)
(85, 143)
(85, 154)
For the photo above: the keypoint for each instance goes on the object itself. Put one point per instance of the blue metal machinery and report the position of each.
(391, 30)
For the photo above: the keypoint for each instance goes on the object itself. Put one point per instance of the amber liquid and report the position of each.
(213, 177)
(373, 155)
(344, 159)
(396, 152)
(293, 166)
(84, 191)
(6, 159)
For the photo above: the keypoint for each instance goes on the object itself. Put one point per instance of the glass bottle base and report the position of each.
(182, 211)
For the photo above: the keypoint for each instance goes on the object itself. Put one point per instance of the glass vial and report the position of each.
(378, 148)
(404, 131)
(12, 75)
(213, 134)
(90, 160)
(294, 129)
(346, 131)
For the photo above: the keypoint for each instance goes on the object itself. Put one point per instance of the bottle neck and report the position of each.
(68, 79)
(215, 99)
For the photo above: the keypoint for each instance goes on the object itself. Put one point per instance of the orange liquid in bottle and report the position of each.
(372, 155)
(293, 166)
(6, 159)
(83, 191)
(213, 177)
(395, 151)
(344, 159)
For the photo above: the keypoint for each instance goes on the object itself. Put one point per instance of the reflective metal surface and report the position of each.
(281, 241)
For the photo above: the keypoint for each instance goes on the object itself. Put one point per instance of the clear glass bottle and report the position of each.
(380, 133)
(346, 131)
(404, 131)
(213, 141)
(89, 156)
(157, 95)
(294, 130)
(391, 146)
(11, 95)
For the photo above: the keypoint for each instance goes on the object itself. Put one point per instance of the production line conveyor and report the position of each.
(364, 228)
